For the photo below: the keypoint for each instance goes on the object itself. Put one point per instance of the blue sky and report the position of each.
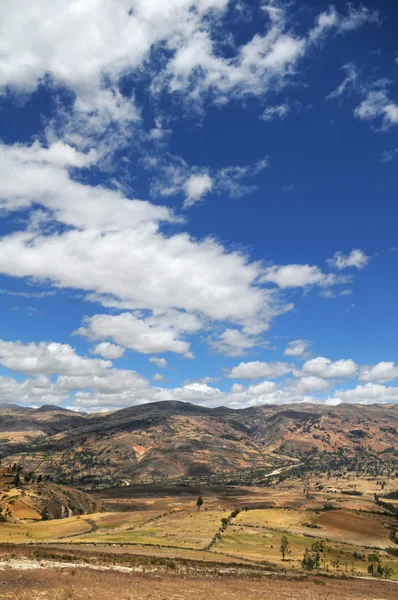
(198, 202)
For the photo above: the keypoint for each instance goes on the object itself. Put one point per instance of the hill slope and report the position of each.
(40, 499)
(176, 441)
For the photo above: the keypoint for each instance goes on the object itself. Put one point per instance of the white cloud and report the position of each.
(161, 363)
(297, 348)
(276, 112)
(37, 391)
(108, 350)
(356, 258)
(37, 175)
(377, 105)
(306, 385)
(173, 175)
(158, 377)
(291, 276)
(206, 380)
(183, 36)
(371, 393)
(84, 387)
(251, 370)
(325, 368)
(47, 358)
(196, 187)
(260, 389)
(234, 342)
(158, 333)
(122, 254)
(331, 20)
(383, 371)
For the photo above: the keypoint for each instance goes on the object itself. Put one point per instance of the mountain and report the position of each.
(180, 442)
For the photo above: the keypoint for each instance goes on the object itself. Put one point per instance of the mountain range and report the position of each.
(178, 442)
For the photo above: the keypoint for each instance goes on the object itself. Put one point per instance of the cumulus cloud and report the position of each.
(37, 391)
(108, 350)
(297, 348)
(325, 368)
(37, 175)
(196, 187)
(310, 384)
(179, 42)
(122, 254)
(161, 363)
(383, 371)
(252, 370)
(158, 333)
(93, 385)
(293, 276)
(48, 358)
(371, 393)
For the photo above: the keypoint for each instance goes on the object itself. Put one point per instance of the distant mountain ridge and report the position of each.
(177, 441)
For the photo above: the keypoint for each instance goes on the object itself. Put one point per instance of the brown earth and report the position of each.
(85, 584)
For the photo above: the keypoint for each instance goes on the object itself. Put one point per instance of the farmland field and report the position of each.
(235, 524)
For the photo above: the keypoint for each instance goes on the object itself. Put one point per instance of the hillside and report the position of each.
(179, 442)
(37, 498)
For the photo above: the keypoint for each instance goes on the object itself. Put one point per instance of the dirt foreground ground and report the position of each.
(75, 583)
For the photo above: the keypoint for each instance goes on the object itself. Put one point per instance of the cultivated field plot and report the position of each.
(354, 528)
(23, 533)
(181, 528)
(274, 518)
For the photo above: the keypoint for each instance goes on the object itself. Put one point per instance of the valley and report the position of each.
(82, 493)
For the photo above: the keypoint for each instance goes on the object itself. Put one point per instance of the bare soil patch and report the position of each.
(86, 584)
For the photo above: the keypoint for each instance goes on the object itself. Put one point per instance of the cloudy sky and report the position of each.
(198, 202)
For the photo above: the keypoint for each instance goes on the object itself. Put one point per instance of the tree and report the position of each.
(284, 548)
(199, 502)
(308, 560)
(373, 559)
